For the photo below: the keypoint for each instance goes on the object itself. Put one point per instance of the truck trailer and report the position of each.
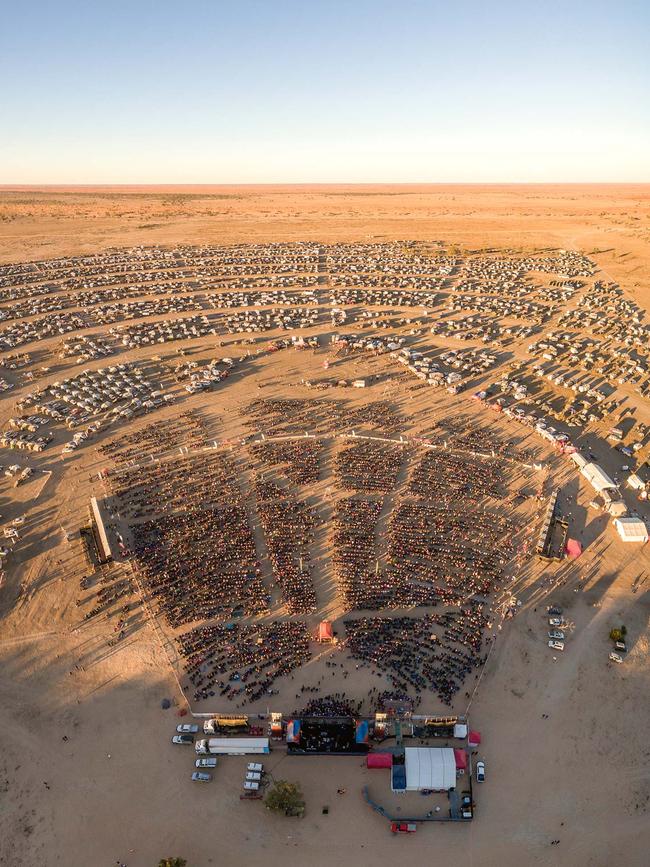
(232, 746)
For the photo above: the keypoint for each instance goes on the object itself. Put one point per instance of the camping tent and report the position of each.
(430, 768)
(325, 631)
(631, 529)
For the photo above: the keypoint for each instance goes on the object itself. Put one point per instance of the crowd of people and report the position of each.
(187, 429)
(290, 416)
(298, 459)
(181, 484)
(435, 652)
(442, 475)
(369, 466)
(288, 528)
(241, 662)
(201, 564)
(353, 541)
(443, 553)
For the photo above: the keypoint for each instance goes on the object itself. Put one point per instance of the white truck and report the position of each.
(232, 746)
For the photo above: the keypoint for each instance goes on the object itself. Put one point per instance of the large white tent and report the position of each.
(597, 477)
(430, 768)
(631, 529)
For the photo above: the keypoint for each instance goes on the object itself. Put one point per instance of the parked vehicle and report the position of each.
(556, 633)
(187, 728)
(183, 739)
(403, 827)
(615, 657)
(556, 645)
(555, 621)
(480, 772)
(620, 645)
(200, 777)
(207, 762)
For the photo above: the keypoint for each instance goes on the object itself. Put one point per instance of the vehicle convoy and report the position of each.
(232, 746)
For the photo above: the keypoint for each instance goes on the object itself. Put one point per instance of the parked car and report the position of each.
(187, 728)
(200, 777)
(556, 645)
(555, 621)
(615, 657)
(556, 633)
(480, 772)
(554, 610)
(182, 739)
(206, 762)
(620, 645)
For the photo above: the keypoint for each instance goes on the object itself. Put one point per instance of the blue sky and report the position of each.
(281, 91)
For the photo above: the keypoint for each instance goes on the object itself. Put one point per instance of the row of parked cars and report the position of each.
(557, 627)
(185, 737)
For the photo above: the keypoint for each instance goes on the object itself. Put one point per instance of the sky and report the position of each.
(324, 91)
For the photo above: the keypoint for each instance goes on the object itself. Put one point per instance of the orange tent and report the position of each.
(325, 631)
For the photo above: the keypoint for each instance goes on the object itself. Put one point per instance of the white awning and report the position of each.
(430, 768)
(597, 477)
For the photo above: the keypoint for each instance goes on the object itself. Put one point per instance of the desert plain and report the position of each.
(87, 772)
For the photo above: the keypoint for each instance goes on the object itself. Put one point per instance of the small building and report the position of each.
(631, 529)
(613, 503)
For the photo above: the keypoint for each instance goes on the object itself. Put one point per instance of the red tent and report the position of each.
(379, 760)
(573, 548)
(461, 760)
(474, 739)
(325, 631)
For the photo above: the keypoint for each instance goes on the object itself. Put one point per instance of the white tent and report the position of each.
(430, 768)
(631, 529)
(579, 460)
(597, 477)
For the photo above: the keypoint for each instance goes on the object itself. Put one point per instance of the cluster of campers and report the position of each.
(252, 320)
(24, 436)
(450, 369)
(263, 298)
(94, 398)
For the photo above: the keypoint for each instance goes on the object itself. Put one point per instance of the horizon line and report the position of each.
(7, 187)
